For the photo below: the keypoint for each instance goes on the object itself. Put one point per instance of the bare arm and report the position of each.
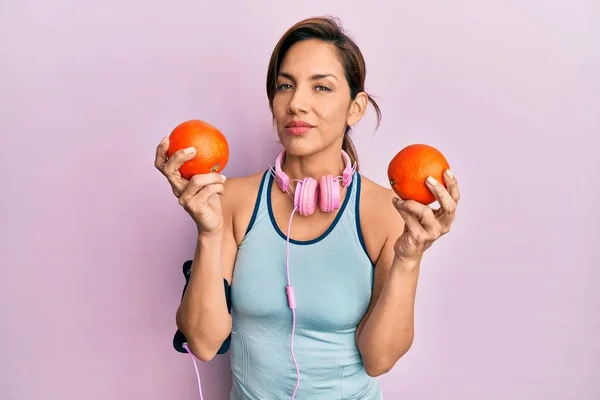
(202, 316)
(386, 332)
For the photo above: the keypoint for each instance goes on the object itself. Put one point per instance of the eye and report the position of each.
(284, 86)
(322, 88)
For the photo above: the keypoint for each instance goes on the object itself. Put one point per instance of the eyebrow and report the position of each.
(314, 77)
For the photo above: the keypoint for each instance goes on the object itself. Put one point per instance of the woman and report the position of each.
(323, 273)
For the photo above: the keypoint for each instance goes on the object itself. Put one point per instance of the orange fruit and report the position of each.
(409, 169)
(212, 149)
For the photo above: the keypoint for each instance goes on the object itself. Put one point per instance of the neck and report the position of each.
(326, 162)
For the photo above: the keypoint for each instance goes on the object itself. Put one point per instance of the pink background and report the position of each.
(92, 239)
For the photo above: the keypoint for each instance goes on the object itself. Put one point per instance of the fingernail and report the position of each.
(449, 174)
(397, 201)
(431, 181)
(163, 140)
(223, 178)
(189, 150)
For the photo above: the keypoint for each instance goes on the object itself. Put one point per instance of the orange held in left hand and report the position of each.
(423, 225)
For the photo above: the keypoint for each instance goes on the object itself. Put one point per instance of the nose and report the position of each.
(299, 102)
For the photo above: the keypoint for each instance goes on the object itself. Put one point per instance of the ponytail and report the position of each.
(348, 147)
(347, 144)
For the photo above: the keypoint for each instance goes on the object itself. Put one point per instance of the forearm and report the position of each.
(389, 331)
(202, 316)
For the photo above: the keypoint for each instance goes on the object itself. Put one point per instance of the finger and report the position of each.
(452, 185)
(161, 153)
(177, 159)
(201, 197)
(411, 221)
(424, 214)
(447, 204)
(198, 182)
(207, 191)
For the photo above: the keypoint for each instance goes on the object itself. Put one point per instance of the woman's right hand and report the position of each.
(200, 195)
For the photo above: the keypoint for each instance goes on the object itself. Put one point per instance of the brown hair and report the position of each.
(327, 29)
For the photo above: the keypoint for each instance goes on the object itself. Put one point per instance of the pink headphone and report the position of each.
(308, 191)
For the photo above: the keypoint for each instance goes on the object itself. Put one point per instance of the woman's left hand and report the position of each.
(424, 225)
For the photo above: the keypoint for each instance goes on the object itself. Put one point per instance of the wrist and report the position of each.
(210, 238)
(408, 264)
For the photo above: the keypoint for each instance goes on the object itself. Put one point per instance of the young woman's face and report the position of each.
(312, 104)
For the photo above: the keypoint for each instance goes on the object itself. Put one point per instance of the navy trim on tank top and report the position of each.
(324, 234)
(359, 232)
(361, 238)
(256, 203)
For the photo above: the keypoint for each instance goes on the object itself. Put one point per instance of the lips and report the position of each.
(298, 124)
(297, 127)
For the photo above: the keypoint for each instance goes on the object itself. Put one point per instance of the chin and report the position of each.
(300, 148)
(298, 145)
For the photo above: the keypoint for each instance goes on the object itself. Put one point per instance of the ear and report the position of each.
(357, 108)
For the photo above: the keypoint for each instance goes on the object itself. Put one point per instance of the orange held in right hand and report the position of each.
(212, 149)
(409, 169)
(197, 188)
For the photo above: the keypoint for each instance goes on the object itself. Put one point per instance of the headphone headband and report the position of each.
(283, 181)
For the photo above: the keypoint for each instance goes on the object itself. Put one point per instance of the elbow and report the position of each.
(382, 364)
(204, 349)
(201, 352)
(378, 368)
(203, 344)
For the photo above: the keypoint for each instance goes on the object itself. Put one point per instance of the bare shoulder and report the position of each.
(238, 201)
(378, 202)
(242, 184)
(379, 218)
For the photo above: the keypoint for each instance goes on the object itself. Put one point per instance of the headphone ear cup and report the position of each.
(305, 197)
(329, 194)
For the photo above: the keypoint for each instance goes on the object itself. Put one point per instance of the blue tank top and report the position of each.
(333, 278)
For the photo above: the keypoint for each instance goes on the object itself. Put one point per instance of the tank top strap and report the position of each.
(260, 204)
(350, 218)
(348, 214)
